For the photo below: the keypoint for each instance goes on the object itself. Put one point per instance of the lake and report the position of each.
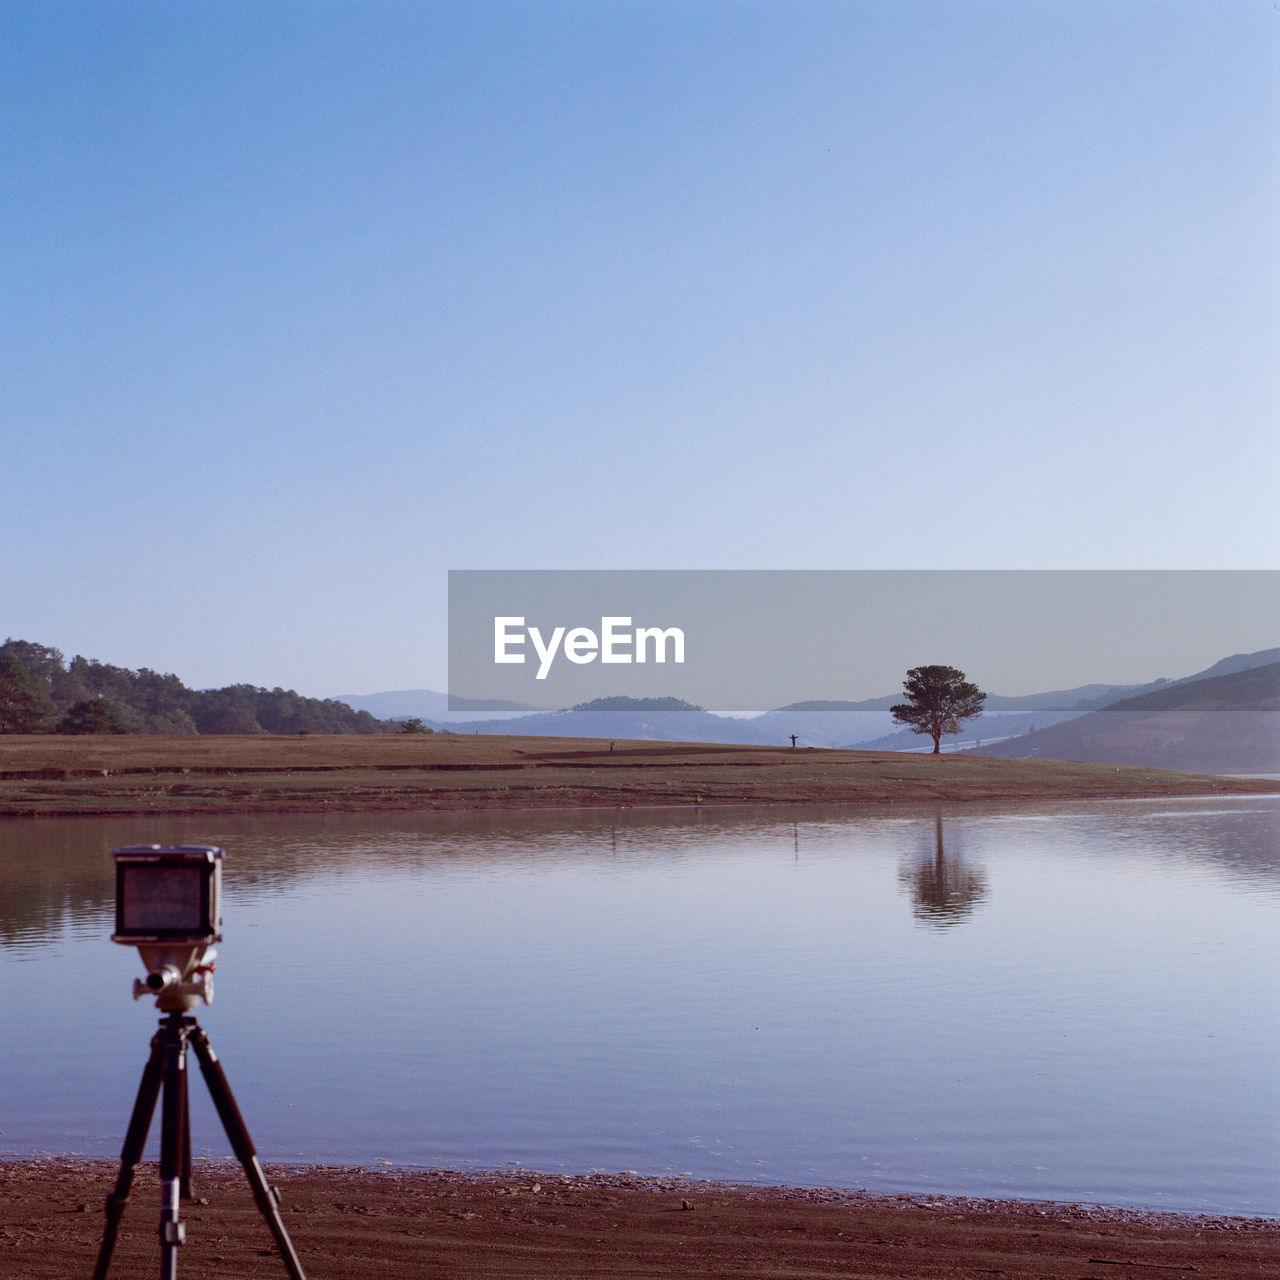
(1075, 1002)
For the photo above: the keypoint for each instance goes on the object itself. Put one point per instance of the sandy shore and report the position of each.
(365, 1223)
(99, 776)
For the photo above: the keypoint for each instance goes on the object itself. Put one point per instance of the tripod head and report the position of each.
(169, 906)
(180, 978)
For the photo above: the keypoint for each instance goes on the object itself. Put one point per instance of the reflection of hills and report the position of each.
(55, 873)
(945, 888)
(48, 877)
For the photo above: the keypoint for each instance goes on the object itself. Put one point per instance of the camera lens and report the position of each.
(165, 976)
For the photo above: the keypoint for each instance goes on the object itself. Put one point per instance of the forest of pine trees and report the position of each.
(40, 692)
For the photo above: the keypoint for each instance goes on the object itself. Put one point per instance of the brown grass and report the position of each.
(43, 775)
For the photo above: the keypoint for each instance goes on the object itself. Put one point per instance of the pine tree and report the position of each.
(93, 715)
(25, 705)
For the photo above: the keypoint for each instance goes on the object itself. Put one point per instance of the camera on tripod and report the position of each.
(169, 906)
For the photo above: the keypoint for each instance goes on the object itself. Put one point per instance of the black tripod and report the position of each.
(167, 1067)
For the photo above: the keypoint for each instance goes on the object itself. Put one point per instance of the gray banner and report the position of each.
(742, 640)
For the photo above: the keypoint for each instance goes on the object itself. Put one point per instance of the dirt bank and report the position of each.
(102, 775)
(351, 1224)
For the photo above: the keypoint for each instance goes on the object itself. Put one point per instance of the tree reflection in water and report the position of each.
(944, 890)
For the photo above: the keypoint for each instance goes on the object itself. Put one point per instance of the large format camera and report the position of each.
(169, 906)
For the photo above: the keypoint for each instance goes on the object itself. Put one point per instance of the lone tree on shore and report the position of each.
(940, 699)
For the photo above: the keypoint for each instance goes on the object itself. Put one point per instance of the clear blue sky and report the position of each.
(307, 303)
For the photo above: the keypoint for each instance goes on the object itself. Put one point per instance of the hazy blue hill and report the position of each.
(1006, 715)
(1013, 717)
(830, 707)
(868, 724)
(428, 704)
(1087, 697)
(1237, 662)
(1256, 688)
(654, 719)
(657, 719)
(1216, 724)
(985, 729)
(817, 724)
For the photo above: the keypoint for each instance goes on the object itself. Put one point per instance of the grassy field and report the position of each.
(46, 775)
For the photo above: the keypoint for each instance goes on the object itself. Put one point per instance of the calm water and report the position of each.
(1074, 1003)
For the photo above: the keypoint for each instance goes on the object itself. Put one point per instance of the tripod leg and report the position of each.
(172, 1134)
(242, 1145)
(135, 1139)
(184, 1187)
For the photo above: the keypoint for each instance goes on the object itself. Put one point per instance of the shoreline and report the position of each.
(365, 1221)
(517, 1176)
(102, 776)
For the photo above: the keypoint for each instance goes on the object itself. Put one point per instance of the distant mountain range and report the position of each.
(1220, 724)
(1222, 719)
(428, 704)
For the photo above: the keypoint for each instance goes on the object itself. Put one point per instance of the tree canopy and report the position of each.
(41, 692)
(25, 705)
(415, 724)
(939, 700)
(92, 715)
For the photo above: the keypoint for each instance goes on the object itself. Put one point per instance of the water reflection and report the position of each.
(679, 990)
(55, 874)
(48, 884)
(944, 888)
